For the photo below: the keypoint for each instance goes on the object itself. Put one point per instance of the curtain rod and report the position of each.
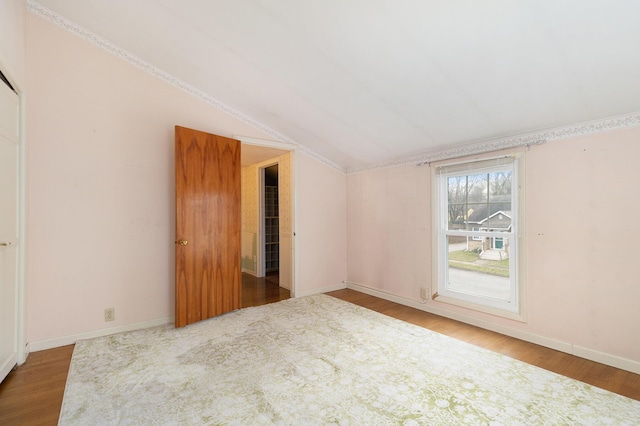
(461, 155)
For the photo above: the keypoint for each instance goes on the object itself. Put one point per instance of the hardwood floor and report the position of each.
(613, 379)
(32, 394)
(260, 291)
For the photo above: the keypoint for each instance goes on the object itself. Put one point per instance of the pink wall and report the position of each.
(389, 230)
(321, 210)
(100, 196)
(581, 242)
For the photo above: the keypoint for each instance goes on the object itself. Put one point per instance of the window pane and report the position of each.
(477, 215)
(457, 189)
(479, 266)
(499, 186)
(500, 218)
(457, 215)
(477, 188)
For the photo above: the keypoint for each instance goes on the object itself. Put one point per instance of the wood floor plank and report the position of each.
(259, 291)
(32, 394)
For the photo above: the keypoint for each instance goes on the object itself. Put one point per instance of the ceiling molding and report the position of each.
(526, 139)
(322, 159)
(98, 41)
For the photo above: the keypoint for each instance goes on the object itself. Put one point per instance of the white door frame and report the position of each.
(260, 269)
(20, 347)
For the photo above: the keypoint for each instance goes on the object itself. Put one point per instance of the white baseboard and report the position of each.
(41, 345)
(607, 359)
(318, 290)
(7, 366)
(250, 272)
(590, 354)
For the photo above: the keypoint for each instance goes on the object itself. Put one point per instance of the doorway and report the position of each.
(267, 218)
(270, 222)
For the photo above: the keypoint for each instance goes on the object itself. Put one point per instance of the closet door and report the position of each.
(9, 105)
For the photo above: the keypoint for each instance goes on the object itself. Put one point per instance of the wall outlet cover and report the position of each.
(110, 314)
(424, 293)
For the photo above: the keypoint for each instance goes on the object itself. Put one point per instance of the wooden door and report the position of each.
(208, 226)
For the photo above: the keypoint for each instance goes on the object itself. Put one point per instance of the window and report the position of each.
(477, 241)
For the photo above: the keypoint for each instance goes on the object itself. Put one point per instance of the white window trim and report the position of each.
(517, 236)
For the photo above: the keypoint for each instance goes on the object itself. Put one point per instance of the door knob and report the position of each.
(182, 242)
(6, 243)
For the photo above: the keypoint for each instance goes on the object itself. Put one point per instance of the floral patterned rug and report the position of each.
(318, 360)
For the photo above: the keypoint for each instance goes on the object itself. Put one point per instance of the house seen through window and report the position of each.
(477, 223)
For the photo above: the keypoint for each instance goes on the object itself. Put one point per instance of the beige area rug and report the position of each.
(318, 360)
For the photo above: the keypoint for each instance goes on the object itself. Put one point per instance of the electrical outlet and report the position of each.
(110, 314)
(424, 293)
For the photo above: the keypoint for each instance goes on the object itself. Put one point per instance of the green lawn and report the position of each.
(464, 256)
(471, 261)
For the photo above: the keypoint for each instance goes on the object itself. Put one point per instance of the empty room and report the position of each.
(320, 212)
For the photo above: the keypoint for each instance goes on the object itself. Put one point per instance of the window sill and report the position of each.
(521, 317)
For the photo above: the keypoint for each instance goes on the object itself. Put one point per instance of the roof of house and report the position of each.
(485, 212)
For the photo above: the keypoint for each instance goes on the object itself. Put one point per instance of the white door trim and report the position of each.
(13, 135)
(294, 205)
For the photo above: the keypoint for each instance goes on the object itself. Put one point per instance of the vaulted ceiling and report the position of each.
(366, 82)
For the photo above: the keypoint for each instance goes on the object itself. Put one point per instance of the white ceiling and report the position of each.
(363, 82)
(252, 154)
